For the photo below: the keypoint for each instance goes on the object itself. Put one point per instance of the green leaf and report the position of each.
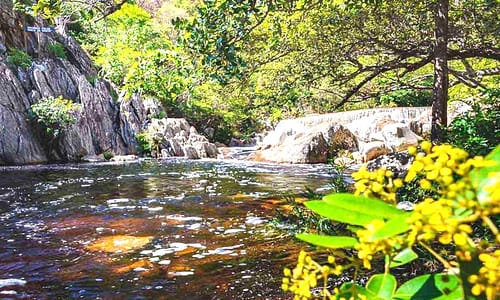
(382, 285)
(403, 257)
(333, 242)
(338, 214)
(437, 286)
(351, 290)
(393, 227)
(483, 177)
(372, 207)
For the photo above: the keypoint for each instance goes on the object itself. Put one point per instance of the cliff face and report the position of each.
(104, 122)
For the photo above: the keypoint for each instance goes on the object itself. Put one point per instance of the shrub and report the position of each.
(477, 131)
(407, 97)
(108, 155)
(467, 194)
(58, 50)
(19, 58)
(54, 114)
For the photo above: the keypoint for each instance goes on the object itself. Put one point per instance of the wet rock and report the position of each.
(119, 243)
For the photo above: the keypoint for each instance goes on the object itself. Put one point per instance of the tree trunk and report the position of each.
(440, 90)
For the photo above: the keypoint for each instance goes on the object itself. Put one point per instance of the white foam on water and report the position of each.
(11, 282)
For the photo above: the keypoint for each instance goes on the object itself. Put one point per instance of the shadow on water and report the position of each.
(147, 230)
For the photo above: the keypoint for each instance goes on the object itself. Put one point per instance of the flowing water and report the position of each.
(176, 229)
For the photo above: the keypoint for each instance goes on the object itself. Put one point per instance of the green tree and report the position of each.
(348, 51)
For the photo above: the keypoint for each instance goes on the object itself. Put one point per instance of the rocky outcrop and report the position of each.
(175, 137)
(105, 122)
(367, 134)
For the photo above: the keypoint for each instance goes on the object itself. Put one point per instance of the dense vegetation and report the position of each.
(237, 66)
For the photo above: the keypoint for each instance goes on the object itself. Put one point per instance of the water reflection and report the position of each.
(196, 229)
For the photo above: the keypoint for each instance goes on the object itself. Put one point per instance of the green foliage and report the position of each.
(407, 97)
(471, 193)
(478, 131)
(144, 144)
(54, 114)
(108, 155)
(19, 58)
(58, 50)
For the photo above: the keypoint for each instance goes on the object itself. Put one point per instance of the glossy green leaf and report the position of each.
(483, 177)
(351, 290)
(372, 207)
(393, 227)
(437, 286)
(328, 241)
(339, 214)
(382, 285)
(403, 257)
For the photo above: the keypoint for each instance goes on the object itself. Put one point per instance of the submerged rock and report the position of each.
(119, 243)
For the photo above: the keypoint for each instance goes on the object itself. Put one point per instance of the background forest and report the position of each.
(240, 66)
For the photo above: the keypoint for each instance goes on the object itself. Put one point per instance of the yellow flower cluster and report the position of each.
(487, 280)
(368, 247)
(306, 274)
(432, 218)
(460, 201)
(378, 184)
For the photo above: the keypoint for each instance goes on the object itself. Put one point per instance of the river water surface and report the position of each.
(176, 229)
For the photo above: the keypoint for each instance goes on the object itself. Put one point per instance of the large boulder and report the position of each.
(304, 148)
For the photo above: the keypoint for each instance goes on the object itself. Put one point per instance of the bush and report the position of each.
(58, 50)
(19, 58)
(477, 131)
(467, 194)
(407, 98)
(54, 114)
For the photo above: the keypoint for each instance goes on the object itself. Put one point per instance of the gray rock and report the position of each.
(397, 162)
(18, 141)
(190, 152)
(399, 137)
(303, 149)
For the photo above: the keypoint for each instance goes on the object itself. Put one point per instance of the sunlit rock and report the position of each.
(399, 137)
(372, 150)
(119, 243)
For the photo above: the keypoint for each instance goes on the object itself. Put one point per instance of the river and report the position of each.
(176, 229)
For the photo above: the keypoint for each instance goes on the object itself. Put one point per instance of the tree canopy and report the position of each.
(348, 51)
